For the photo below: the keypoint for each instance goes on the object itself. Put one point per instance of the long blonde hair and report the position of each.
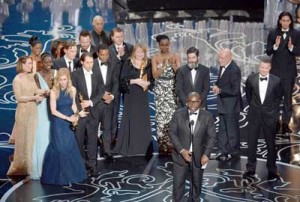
(145, 59)
(56, 87)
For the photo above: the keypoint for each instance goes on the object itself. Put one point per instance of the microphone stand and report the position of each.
(192, 162)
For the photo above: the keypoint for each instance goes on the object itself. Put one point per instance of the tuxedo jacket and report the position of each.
(184, 84)
(61, 62)
(97, 93)
(112, 77)
(203, 138)
(283, 60)
(93, 50)
(103, 38)
(268, 111)
(113, 54)
(229, 100)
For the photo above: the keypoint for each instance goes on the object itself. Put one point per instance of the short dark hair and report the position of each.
(69, 43)
(116, 29)
(102, 47)
(84, 55)
(265, 59)
(281, 15)
(161, 37)
(193, 50)
(85, 33)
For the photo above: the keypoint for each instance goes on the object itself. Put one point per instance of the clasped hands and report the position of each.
(278, 41)
(40, 94)
(141, 82)
(187, 156)
(107, 97)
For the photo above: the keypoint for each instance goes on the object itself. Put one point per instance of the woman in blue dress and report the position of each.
(63, 163)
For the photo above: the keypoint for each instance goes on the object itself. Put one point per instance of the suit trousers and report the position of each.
(87, 129)
(287, 86)
(179, 177)
(269, 131)
(106, 119)
(229, 134)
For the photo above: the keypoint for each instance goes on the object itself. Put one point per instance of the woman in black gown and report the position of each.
(134, 135)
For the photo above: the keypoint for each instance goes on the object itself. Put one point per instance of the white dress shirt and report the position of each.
(193, 72)
(88, 81)
(88, 50)
(263, 85)
(103, 69)
(224, 68)
(71, 67)
(193, 118)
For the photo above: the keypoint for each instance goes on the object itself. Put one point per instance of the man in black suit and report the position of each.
(263, 94)
(119, 52)
(69, 60)
(110, 77)
(99, 35)
(90, 90)
(85, 45)
(192, 77)
(229, 101)
(192, 132)
(284, 45)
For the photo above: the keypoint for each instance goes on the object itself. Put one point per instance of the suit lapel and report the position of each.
(187, 119)
(199, 119)
(269, 87)
(197, 76)
(256, 86)
(100, 71)
(84, 87)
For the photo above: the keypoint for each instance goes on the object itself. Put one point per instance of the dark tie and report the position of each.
(263, 79)
(83, 51)
(103, 63)
(193, 113)
(191, 68)
(70, 68)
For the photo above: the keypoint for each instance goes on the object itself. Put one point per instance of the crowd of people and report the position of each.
(65, 97)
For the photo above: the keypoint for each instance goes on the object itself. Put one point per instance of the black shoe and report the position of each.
(249, 174)
(223, 157)
(285, 128)
(273, 175)
(109, 158)
(93, 171)
(235, 155)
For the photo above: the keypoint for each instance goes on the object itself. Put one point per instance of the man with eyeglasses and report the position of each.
(192, 132)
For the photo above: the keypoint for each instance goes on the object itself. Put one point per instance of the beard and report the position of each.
(192, 65)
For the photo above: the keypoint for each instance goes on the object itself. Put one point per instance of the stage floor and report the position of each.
(140, 179)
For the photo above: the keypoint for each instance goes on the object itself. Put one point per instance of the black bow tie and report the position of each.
(83, 51)
(221, 67)
(263, 79)
(195, 68)
(103, 63)
(193, 113)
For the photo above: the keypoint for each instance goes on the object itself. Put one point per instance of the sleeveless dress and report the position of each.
(42, 133)
(63, 163)
(165, 106)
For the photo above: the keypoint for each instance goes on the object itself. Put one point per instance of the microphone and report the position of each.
(191, 125)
